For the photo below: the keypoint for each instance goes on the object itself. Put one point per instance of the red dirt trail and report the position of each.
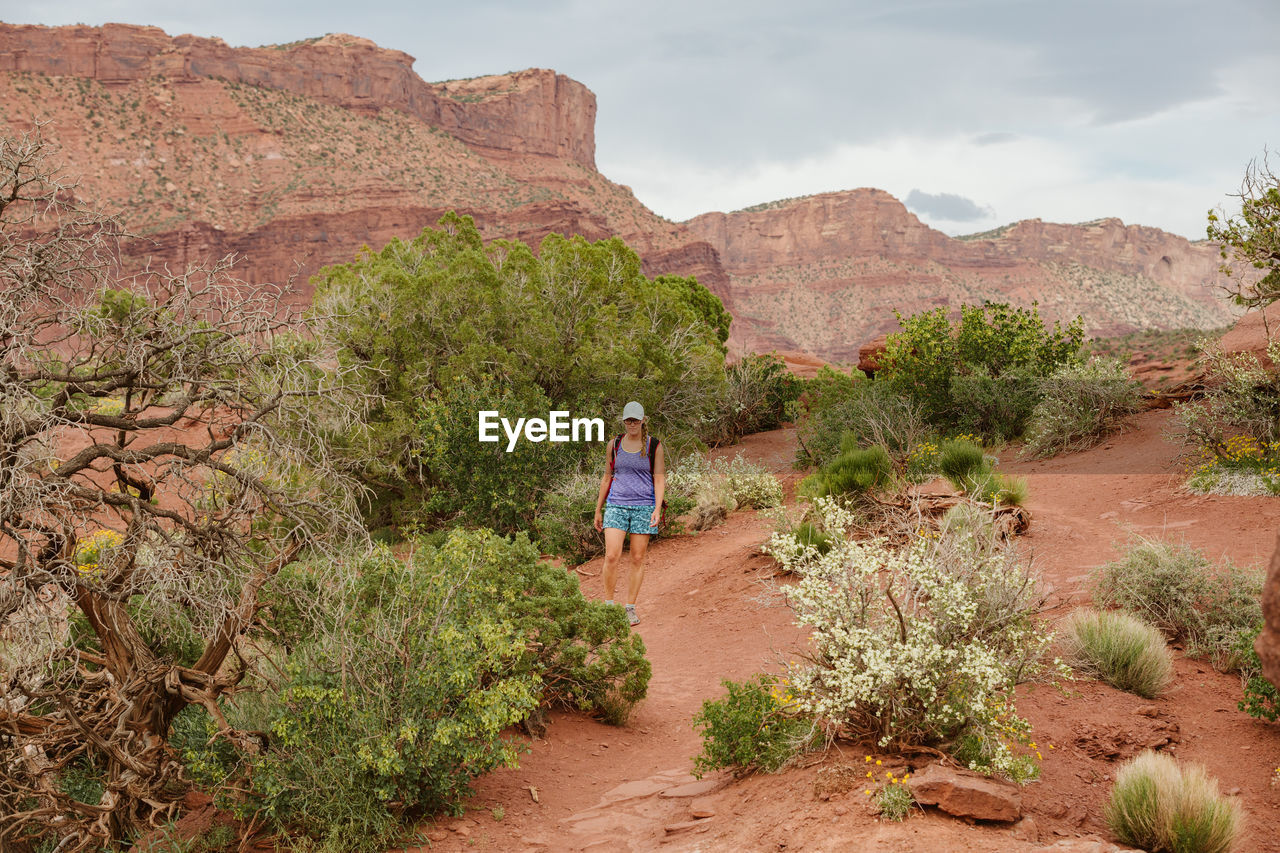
(710, 611)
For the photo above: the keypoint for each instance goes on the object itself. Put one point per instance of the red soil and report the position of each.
(709, 612)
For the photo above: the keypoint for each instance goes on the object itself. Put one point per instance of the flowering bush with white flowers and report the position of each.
(923, 644)
(748, 484)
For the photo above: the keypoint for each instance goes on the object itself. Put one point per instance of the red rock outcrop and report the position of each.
(1268, 642)
(964, 793)
(859, 255)
(872, 223)
(532, 112)
(870, 353)
(294, 156)
(1253, 332)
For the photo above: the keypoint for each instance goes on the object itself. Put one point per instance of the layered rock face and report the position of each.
(532, 112)
(855, 257)
(296, 156)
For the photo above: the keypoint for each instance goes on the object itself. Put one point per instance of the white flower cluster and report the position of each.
(922, 644)
(746, 484)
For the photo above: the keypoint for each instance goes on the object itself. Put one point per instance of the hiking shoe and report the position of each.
(631, 615)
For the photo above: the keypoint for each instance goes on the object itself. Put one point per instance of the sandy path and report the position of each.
(709, 613)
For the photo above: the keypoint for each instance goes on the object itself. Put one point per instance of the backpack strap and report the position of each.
(613, 454)
(653, 452)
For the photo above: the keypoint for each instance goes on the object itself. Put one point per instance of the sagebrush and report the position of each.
(1179, 590)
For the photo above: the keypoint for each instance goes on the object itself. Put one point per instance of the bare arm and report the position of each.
(604, 486)
(659, 484)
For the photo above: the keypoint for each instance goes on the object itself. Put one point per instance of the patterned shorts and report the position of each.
(630, 519)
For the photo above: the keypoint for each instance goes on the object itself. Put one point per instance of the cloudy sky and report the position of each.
(974, 112)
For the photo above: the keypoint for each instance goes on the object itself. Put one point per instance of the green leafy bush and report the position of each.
(918, 645)
(853, 473)
(1120, 649)
(754, 727)
(991, 358)
(1159, 805)
(1177, 589)
(996, 406)
(565, 523)
(412, 672)
(758, 396)
(833, 406)
(423, 328)
(1235, 425)
(1261, 698)
(1080, 405)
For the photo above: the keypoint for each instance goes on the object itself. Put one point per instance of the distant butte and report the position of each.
(294, 156)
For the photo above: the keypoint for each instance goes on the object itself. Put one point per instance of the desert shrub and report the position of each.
(853, 473)
(834, 406)
(894, 801)
(1177, 589)
(1235, 426)
(423, 327)
(963, 463)
(565, 523)
(923, 644)
(921, 463)
(413, 671)
(423, 686)
(1118, 648)
(1261, 698)
(584, 655)
(809, 535)
(995, 349)
(751, 485)
(758, 393)
(1080, 405)
(1162, 806)
(714, 488)
(995, 406)
(754, 727)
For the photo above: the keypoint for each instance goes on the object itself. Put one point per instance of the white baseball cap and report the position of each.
(633, 410)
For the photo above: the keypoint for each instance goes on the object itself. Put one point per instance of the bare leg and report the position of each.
(613, 539)
(639, 545)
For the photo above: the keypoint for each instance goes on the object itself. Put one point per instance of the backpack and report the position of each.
(653, 454)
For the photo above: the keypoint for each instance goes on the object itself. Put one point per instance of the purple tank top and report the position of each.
(632, 479)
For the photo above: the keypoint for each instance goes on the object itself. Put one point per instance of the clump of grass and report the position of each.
(964, 464)
(1180, 591)
(854, 472)
(1161, 806)
(894, 801)
(810, 534)
(960, 460)
(1120, 649)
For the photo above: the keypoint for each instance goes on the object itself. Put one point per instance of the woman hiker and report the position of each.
(630, 501)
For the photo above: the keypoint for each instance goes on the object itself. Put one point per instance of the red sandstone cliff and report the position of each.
(855, 257)
(532, 112)
(294, 156)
